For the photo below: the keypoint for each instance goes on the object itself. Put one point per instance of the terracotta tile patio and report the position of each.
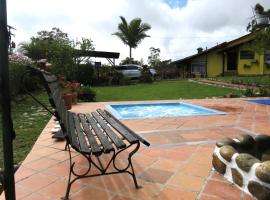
(176, 166)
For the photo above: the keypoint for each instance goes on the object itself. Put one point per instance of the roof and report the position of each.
(222, 47)
(99, 54)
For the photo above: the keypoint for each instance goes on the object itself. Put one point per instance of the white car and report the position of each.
(133, 71)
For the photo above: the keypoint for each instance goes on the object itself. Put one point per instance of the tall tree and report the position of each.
(53, 45)
(57, 48)
(154, 58)
(132, 33)
(260, 27)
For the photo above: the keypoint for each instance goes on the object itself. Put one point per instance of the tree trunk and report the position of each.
(130, 53)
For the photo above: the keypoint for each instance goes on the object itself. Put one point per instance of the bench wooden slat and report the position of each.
(71, 131)
(81, 137)
(144, 141)
(63, 111)
(54, 86)
(116, 140)
(123, 131)
(96, 149)
(107, 145)
(49, 77)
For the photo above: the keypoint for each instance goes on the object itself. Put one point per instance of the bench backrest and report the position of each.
(54, 91)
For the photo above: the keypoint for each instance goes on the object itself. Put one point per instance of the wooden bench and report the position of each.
(92, 135)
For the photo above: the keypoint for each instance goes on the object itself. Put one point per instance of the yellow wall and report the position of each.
(256, 65)
(214, 63)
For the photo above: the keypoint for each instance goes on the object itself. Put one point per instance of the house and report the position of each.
(237, 57)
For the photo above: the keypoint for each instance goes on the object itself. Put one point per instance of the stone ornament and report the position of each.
(245, 161)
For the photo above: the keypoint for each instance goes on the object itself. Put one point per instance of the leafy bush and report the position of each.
(249, 92)
(116, 77)
(85, 74)
(264, 91)
(17, 67)
(87, 94)
(146, 76)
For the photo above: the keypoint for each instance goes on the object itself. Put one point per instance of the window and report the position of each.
(267, 57)
(247, 55)
(198, 67)
(132, 67)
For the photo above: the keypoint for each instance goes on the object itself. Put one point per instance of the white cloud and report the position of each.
(176, 31)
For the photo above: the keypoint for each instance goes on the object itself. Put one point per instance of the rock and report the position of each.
(263, 171)
(266, 156)
(246, 141)
(227, 152)
(262, 142)
(237, 177)
(226, 141)
(259, 191)
(245, 161)
(218, 164)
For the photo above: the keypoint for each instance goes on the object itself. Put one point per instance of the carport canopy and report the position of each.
(86, 54)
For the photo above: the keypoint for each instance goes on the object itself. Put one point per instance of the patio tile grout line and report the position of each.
(204, 185)
(184, 144)
(186, 129)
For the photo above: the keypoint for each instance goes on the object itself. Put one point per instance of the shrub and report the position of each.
(17, 67)
(146, 76)
(85, 74)
(264, 91)
(86, 93)
(116, 77)
(249, 92)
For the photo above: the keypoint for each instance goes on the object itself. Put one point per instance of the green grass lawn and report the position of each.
(257, 80)
(163, 90)
(29, 119)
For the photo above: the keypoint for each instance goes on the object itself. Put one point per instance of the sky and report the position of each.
(179, 27)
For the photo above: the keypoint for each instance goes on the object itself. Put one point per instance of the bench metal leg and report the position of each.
(103, 169)
(132, 169)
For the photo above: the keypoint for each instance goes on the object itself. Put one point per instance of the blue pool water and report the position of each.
(260, 101)
(153, 110)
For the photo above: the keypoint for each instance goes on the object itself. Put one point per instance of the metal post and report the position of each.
(8, 133)
(206, 63)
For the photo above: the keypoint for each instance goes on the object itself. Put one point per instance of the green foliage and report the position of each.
(154, 58)
(58, 49)
(132, 33)
(260, 13)
(146, 76)
(117, 78)
(85, 74)
(87, 94)
(29, 119)
(17, 67)
(53, 45)
(129, 60)
(249, 92)
(262, 39)
(166, 70)
(260, 30)
(84, 44)
(264, 91)
(247, 80)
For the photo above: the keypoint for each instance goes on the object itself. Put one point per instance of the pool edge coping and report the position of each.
(118, 116)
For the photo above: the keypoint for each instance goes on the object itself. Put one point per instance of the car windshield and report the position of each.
(125, 67)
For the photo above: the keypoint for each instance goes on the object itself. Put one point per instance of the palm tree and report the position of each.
(133, 33)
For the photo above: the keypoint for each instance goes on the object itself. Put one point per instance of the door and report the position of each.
(232, 61)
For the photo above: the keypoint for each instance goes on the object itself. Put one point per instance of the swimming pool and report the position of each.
(260, 101)
(154, 110)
